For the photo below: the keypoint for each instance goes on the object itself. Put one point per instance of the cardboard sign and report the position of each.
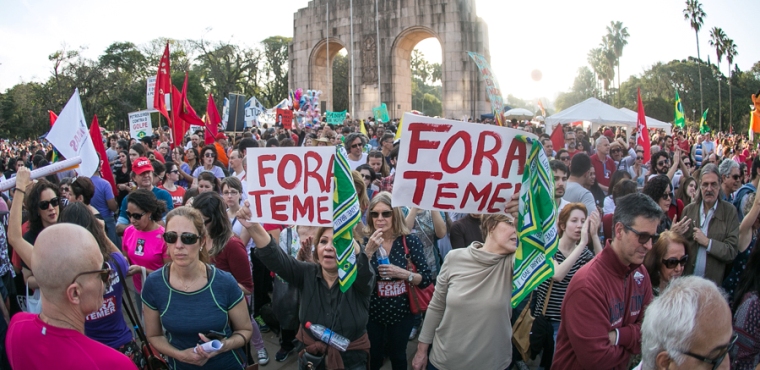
(253, 109)
(291, 186)
(453, 165)
(381, 113)
(492, 85)
(139, 124)
(151, 91)
(285, 118)
(335, 118)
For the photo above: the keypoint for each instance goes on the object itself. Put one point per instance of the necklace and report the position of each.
(185, 285)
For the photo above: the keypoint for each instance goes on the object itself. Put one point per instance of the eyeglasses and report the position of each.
(662, 163)
(105, 274)
(186, 238)
(736, 177)
(671, 263)
(366, 177)
(640, 158)
(65, 189)
(687, 164)
(385, 214)
(230, 193)
(45, 204)
(667, 195)
(175, 171)
(136, 216)
(355, 146)
(716, 361)
(208, 155)
(564, 158)
(643, 237)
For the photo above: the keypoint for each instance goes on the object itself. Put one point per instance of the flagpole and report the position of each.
(327, 36)
(353, 112)
(377, 51)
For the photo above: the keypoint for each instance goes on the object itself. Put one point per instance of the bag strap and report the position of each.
(409, 265)
(548, 295)
(130, 308)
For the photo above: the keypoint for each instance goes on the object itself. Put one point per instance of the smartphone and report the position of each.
(213, 334)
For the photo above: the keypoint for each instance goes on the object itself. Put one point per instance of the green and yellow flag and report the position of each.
(537, 224)
(346, 214)
(703, 129)
(398, 129)
(363, 129)
(680, 120)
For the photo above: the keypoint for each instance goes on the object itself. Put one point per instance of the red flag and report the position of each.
(558, 137)
(105, 167)
(163, 84)
(177, 124)
(212, 121)
(642, 132)
(53, 117)
(187, 113)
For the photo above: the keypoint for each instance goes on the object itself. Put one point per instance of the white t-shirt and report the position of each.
(353, 164)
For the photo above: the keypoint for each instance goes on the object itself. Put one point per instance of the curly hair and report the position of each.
(656, 187)
(32, 202)
(147, 201)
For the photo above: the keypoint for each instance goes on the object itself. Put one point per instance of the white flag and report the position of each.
(71, 137)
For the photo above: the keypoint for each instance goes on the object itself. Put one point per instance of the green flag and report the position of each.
(703, 129)
(537, 229)
(346, 214)
(680, 121)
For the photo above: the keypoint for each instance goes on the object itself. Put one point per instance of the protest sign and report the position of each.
(71, 137)
(381, 113)
(139, 124)
(285, 118)
(336, 118)
(492, 85)
(293, 186)
(151, 92)
(253, 109)
(453, 165)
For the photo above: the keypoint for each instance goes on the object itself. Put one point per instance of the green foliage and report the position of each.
(341, 82)
(426, 97)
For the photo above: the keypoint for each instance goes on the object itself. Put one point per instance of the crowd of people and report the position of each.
(655, 267)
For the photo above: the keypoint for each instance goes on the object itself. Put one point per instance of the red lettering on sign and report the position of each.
(256, 194)
(281, 169)
(446, 151)
(277, 207)
(482, 195)
(320, 209)
(441, 194)
(312, 173)
(516, 152)
(496, 197)
(421, 177)
(415, 143)
(301, 209)
(265, 170)
(481, 152)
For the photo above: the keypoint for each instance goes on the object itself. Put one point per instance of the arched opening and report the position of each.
(337, 81)
(404, 79)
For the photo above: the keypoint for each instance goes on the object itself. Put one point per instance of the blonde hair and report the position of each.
(196, 218)
(488, 222)
(398, 226)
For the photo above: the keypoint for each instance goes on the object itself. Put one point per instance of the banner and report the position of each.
(680, 119)
(150, 95)
(453, 165)
(71, 137)
(253, 109)
(346, 214)
(225, 112)
(139, 124)
(285, 118)
(336, 118)
(381, 113)
(294, 185)
(492, 85)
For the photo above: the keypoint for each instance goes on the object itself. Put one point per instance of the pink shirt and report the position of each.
(144, 248)
(31, 344)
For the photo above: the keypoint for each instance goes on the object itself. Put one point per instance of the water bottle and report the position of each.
(382, 259)
(328, 336)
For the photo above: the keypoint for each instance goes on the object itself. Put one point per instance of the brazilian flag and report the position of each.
(703, 129)
(680, 120)
(346, 214)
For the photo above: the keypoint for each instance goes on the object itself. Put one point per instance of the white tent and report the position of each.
(594, 111)
(652, 124)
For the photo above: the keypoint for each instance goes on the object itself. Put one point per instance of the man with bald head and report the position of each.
(72, 276)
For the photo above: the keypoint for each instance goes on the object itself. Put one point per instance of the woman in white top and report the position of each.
(208, 158)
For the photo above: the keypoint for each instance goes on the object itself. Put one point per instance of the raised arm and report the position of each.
(15, 235)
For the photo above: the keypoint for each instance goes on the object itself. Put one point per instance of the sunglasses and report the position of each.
(643, 237)
(564, 158)
(355, 146)
(65, 189)
(46, 203)
(716, 361)
(667, 195)
(175, 171)
(640, 158)
(386, 214)
(105, 274)
(671, 263)
(736, 177)
(688, 164)
(662, 163)
(186, 238)
(208, 155)
(366, 177)
(135, 216)
(616, 150)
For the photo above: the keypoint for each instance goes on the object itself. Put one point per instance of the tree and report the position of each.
(426, 97)
(226, 68)
(274, 73)
(340, 89)
(696, 17)
(617, 37)
(731, 53)
(718, 40)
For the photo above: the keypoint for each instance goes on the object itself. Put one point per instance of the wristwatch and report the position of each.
(411, 277)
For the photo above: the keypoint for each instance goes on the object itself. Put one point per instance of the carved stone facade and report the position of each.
(402, 24)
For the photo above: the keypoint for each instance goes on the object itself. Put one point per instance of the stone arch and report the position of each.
(402, 69)
(318, 67)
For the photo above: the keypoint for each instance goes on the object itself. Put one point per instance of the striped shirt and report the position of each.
(560, 287)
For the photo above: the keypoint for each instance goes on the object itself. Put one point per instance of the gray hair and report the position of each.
(635, 205)
(670, 321)
(351, 138)
(710, 168)
(727, 166)
(599, 140)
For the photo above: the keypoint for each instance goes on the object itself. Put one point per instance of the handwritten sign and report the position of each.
(336, 118)
(446, 165)
(381, 113)
(253, 109)
(285, 118)
(139, 124)
(151, 91)
(291, 186)
(492, 85)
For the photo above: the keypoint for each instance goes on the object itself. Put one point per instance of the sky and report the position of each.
(551, 36)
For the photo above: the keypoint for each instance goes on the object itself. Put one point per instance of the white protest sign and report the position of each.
(150, 95)
(139, 124)
(71, 136)
(453, 165)
(291, 186)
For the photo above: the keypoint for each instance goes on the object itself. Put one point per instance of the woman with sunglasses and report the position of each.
(369, 176)
(142, 241)
(42, 203)
(170, 183)
(659, 189)
(473, 333)
(666, 260)
(208, 157)
(638, 172)
(188, 301)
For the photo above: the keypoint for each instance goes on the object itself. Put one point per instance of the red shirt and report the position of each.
(604, 170)
(234, 259)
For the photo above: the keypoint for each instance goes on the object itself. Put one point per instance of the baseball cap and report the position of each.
(221, 136)
(609, 133)
(141, 165)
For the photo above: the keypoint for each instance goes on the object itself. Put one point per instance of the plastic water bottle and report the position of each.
(328, 336)
(382, 257)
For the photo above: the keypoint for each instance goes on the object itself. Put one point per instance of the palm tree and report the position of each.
(696, 17)
(617, 35)
(730, 49)
(718, 40)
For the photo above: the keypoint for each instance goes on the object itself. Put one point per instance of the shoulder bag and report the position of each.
(419, 299)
